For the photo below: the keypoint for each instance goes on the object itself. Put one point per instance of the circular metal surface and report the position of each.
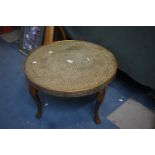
(70, 68)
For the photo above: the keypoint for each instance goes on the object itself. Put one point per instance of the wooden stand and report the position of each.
(76, 78)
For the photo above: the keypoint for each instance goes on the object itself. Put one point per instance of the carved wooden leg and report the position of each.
(34, 93)
(100, 97)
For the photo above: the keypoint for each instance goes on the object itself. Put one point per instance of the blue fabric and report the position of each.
(133, 47)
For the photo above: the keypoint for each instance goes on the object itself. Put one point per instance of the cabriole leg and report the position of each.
(100, 97)
(34, 93)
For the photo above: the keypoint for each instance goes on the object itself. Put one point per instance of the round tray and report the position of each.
(70, 68)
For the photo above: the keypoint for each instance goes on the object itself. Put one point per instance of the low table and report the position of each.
(70, 68)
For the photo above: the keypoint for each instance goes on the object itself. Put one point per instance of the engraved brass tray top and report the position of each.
(70, 68)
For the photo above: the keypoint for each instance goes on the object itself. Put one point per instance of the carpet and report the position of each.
(17, 108)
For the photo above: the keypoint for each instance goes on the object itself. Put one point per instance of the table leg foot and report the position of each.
(34, 93)
(100, 97)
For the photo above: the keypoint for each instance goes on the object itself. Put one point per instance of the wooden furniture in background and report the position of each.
(49, 35)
